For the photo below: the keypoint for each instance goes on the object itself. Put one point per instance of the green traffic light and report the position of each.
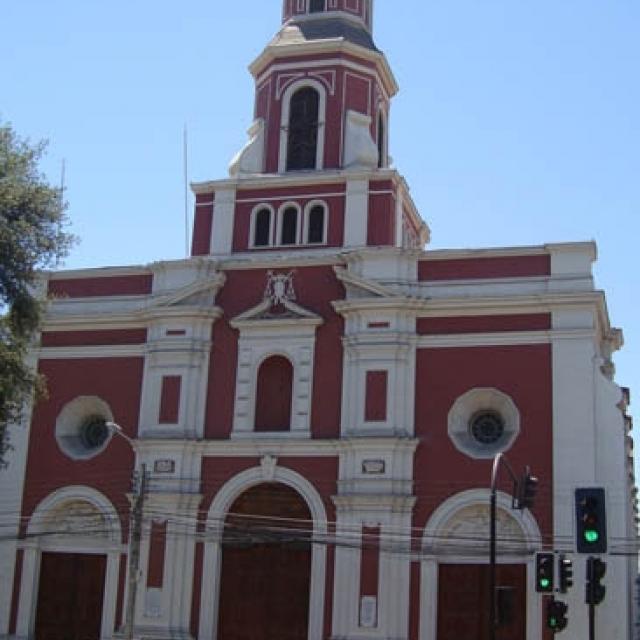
(553, 622)
(545, 583)
(591, 536)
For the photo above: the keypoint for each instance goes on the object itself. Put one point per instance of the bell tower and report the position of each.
(315, 173)
(323, 92)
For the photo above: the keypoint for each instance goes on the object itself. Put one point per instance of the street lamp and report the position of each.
(135, 534)
(525, 491)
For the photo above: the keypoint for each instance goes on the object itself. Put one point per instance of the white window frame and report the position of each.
(305, 229)
(281, 210)
(252, 226)
(284, 121)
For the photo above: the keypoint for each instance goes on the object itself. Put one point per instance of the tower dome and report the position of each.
(355, 10)
(312, 20)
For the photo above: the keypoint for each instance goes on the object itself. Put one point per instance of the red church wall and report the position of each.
(375, 404)
(157, 548)
(358, 92)
(483, 324)
(523, 373)
(95, 287)
(93, 338)
(117, 381)
(381, 227)
(478, 268)
(370, 561)
(169, 412)
(316, 288)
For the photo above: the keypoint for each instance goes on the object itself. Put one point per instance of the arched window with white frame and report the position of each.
(302, 126)
(261, 227)
(316, 218)
(289, 224)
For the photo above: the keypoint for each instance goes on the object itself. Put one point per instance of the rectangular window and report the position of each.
(170, 400)
(375, 409)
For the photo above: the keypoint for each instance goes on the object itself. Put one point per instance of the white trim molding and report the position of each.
(224, 499)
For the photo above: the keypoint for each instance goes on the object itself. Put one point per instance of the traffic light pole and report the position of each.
(592, 622)
(492, 539)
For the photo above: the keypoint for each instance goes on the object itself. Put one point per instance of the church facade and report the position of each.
(312, 402)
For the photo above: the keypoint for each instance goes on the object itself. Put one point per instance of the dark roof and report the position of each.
(324, 29)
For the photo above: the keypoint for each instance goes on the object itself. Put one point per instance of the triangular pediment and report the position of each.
(267, 313)
(197, 294)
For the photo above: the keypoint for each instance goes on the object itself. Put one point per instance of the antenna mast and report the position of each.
(186, 191)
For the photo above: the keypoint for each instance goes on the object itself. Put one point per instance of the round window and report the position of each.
(487, 427)
(81, 427)
(94, 432)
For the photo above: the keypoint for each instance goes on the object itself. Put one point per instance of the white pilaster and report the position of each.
(356, 214)
(222, 228)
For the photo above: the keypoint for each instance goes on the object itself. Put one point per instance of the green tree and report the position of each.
(33, 236)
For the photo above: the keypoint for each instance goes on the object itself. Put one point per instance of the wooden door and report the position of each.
(70, 596)
(463, 602)
(266, 567)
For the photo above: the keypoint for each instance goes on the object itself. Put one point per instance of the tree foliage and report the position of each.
(33, 236)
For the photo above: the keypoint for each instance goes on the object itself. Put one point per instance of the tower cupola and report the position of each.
(356, 12)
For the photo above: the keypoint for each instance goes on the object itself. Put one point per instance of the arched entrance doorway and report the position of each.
(266, 566)
(454, 573)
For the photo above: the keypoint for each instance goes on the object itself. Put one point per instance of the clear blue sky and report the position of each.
(516, 123)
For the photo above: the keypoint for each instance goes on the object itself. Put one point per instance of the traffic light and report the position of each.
(557, 615)
(591, 521)
(526, 490)
(596, 570)
(565, 573)
(544, 572)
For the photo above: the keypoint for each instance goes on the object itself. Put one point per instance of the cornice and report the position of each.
(279, 447)
(273, 52)
(292, 179)
(467, 306)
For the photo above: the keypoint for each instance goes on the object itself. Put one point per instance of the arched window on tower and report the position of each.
(302, 144)
(315, 6)
(315, 223)
(288, 225)
(261, 227)
(274, 392)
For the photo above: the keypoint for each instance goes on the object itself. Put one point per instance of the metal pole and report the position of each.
(492, 570)
(592, 622)
(492, 549)
(135, 538)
